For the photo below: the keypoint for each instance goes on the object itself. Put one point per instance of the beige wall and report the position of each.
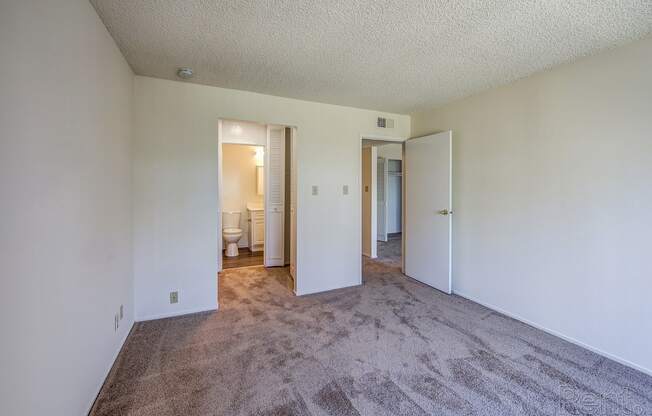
(65, 197)
(552, 181)
(368, 198)
(175, 181)
(239, 182)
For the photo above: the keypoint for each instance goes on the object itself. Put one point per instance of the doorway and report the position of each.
(257, 196)
(243, 205)
(382, 201)
(419, 245)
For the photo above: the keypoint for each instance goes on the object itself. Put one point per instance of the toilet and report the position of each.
(231, 232)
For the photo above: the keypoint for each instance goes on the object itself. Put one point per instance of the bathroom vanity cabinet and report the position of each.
(256, 222)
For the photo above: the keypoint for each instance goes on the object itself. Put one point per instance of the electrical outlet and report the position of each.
(174, 297)
(122, 312)
(345, 189)
(315, 190)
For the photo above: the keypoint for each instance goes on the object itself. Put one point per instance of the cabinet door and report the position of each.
(259, 229)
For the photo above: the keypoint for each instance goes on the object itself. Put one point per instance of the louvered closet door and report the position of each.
(274, 196)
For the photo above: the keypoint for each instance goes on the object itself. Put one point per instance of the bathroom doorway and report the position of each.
(257, 196)
(243, 205)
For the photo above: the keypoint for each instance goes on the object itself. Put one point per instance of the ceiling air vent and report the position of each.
(385, 123)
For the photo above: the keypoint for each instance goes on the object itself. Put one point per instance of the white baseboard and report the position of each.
(108, 370)
(175, 313)
(558, 334)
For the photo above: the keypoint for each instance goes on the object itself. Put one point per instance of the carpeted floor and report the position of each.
(390, 347)
(389, 252)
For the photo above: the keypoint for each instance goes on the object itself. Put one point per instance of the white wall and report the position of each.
(65, 198)
(391, 151)
(552, 181)
(239, 182)
(175, 171)
(242, 132)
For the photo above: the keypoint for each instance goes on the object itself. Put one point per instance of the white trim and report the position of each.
(220, 238)
(450, 209)
(373, 205)
(557, 334)
(108, 370)
(176, 313)
(294, 202)
(382, 137)
(403, 234)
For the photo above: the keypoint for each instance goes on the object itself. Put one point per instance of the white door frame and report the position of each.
(265, 169)
(372, 136)
(293, 207)
(220, 240)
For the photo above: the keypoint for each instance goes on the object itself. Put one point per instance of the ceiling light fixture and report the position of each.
(185, 73)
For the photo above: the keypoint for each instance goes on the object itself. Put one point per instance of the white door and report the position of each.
(428, 207)
(293, 207)
(381, 196)
(274, 196)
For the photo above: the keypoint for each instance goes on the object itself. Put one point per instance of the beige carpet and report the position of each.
(390, 347)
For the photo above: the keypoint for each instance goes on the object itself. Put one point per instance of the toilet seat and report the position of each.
(231, 231)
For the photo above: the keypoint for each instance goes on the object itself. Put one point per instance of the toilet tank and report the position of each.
(231, 219)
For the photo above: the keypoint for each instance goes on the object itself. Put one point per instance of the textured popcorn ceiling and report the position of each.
(391, 55)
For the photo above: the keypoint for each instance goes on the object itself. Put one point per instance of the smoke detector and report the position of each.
(185, 73)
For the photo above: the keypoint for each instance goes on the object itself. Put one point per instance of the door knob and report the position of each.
(444, 212)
